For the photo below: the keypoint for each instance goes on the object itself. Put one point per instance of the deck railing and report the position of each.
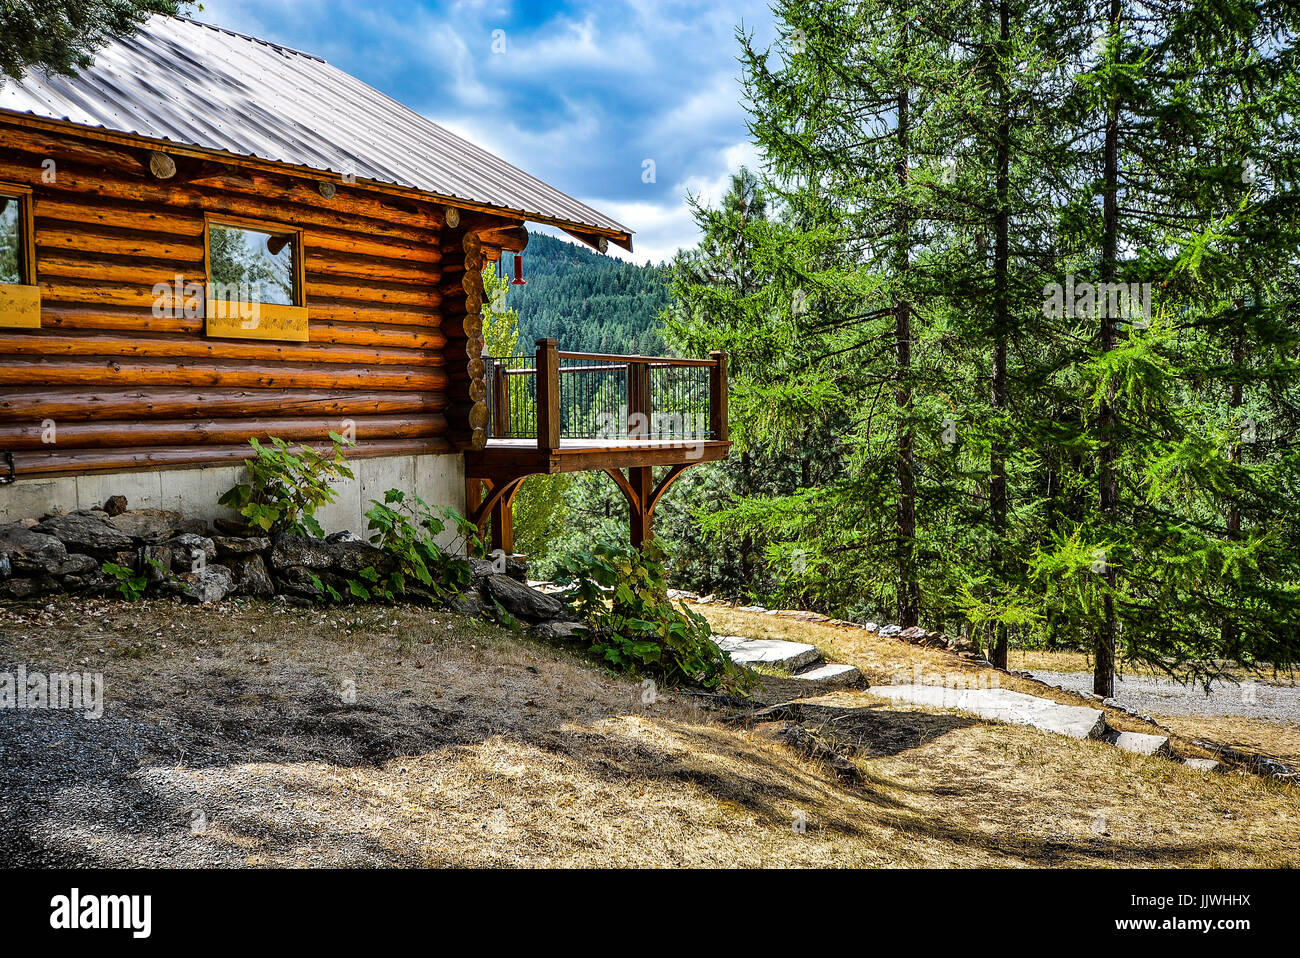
(555, 395)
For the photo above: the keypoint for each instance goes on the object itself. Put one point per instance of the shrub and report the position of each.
(622, 596)
(131, 585)
(405, 527)
(285, 487)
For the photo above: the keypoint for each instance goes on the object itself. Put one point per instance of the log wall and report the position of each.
(393, 347)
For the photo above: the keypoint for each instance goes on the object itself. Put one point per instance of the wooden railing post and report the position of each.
(638, 400)
(718, 425)
(500, 398)
(548, 395)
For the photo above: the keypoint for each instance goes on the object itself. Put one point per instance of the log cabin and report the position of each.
(206, 237)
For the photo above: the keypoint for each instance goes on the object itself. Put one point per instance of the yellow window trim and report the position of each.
(231, 320)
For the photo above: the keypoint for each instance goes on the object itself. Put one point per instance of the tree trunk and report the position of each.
(908, 589)
(1229, 630)
(1001, 316)
(1103, 677)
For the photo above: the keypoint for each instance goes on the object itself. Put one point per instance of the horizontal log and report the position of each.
(53, 343)
(23, 371)
(118, 270)
(326, 286)
(91, 239)
(55, 315)
(334, 311)
(83, 405)
(359, 334)
(200, 432)
(70, 461)
(368, 266)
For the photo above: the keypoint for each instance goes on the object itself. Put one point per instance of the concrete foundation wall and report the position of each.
(438, 480)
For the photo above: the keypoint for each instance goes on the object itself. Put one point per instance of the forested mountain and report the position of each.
(588, 302)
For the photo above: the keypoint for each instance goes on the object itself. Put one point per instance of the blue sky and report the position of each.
(579, 93)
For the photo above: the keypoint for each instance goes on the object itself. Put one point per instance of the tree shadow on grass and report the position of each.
(123, 790)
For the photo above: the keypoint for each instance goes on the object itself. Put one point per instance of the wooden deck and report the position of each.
(494, 472)
(503, 458)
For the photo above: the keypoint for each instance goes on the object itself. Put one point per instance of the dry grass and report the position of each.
(468, 745)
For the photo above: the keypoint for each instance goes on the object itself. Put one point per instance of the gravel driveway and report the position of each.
(1157, 696)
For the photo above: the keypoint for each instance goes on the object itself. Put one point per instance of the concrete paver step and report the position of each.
(1004, 705)
(776, 653)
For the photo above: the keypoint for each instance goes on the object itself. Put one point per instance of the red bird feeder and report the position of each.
(519, 271)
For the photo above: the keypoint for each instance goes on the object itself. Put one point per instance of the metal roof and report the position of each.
(199, 85)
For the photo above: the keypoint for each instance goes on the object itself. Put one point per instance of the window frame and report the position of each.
(20, 303)
(291, 320)
(26, 230)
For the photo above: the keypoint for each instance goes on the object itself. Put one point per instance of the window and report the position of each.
(20, 297)
(255, 281)
(256, 265)
(12, 267)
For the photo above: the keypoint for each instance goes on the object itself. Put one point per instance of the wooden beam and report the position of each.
(641, 479)
(548, 395)
(162, 166)
(513, 238)
(719, 427)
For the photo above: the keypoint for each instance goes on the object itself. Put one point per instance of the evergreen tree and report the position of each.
(61, 37)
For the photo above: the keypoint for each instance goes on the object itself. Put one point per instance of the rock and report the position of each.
(298, 582)
(78, 565)
(913, 634)
(775, 653)
(162, 556)
(6, 567)
(517, 568)
(1141, 743)
(345, 557)
(513, 566)
(468, 604)
(872, 627)
(148, 526)
(522, 602)
(890, 631)
(558, 632)
(239, 546)
(211, 585)
(190, 551)
(115, 505)
(30, 552)
(95, 583)
(26, 588)
(344, 536)
(233, 527)
(86, 531)
(250, 576)
(1204, 764)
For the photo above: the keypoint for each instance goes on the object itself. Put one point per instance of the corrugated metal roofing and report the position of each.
(202, 86)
